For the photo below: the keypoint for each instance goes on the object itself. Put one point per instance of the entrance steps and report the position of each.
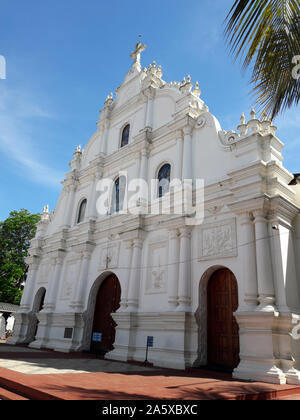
(7, 395)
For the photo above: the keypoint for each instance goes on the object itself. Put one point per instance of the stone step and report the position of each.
(23, 391)
(7, 395)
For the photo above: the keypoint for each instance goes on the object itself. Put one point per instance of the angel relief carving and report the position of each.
(158, 277)
(157, 273)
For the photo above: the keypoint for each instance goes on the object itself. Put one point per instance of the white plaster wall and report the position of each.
(210, 160)
(164, 108)
(58, 218)
(92, 149)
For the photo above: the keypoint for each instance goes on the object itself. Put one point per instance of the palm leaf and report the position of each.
(266, 35)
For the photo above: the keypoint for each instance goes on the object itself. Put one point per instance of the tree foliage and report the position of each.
(266, 33)
(16, 233)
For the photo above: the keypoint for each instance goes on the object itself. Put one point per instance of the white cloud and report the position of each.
(16, 110)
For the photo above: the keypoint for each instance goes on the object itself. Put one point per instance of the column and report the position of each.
(184, 285)
(248, 255)
(187, 153)
(135, 275)
(144, 164)
(283, 248)
(76, 281)
(92, 210)
(69, 207)
(102, 138)
(149, 116)
(179, 157)
(51, 295)
(264, 265)
(27, 296)
(103, 144)
(144, 176)
(173, 261)
(124, 296)
(82, 281)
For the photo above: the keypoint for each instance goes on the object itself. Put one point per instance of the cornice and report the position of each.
(84, 247)
(183, 122)
(283, 210)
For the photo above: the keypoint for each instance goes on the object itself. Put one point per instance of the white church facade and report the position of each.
(223, 294)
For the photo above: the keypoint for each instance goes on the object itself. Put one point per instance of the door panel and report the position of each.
(223, 331)
(108, 302)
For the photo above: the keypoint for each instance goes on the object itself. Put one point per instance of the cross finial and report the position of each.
(136, 55)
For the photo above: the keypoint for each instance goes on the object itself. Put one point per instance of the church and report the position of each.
(222, 293)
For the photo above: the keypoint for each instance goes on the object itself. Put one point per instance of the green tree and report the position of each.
(266, 35)
(16, 233)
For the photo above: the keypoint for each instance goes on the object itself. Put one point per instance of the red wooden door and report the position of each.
(108, 302)
(223, 330)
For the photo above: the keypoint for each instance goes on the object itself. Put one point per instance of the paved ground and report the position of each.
(67, 366)
(29, 374)
(5, 348)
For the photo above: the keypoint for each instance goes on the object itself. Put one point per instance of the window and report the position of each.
(125, 136)
(164, 177)
(81, 213)
(118, 195)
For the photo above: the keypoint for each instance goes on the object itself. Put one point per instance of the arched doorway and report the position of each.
(223, 346)
(38, 305)
(107, 302)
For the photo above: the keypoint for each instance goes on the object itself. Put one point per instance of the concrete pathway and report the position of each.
(39, 362)
(67, 366)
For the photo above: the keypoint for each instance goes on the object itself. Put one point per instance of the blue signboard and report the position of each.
(97, 337)
(150, 341)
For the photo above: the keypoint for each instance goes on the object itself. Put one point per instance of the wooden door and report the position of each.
(108, 302)
(223, 330)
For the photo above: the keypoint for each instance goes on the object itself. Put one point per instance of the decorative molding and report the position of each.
(204, 120)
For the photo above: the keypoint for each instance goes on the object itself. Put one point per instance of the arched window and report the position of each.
(164, 178)
(81, 213)
(125, 136)
(118, 195)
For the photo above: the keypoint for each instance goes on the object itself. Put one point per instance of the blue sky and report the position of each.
(64, 57)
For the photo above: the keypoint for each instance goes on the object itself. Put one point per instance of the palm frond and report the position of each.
(266, 33)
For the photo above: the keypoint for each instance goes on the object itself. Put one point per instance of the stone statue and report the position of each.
(46, 209)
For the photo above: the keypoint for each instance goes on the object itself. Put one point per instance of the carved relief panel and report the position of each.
(109, 257)
(218, 240)
(157, 268)
(71, 273)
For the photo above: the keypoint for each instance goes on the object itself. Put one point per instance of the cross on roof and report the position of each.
(136, 55)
